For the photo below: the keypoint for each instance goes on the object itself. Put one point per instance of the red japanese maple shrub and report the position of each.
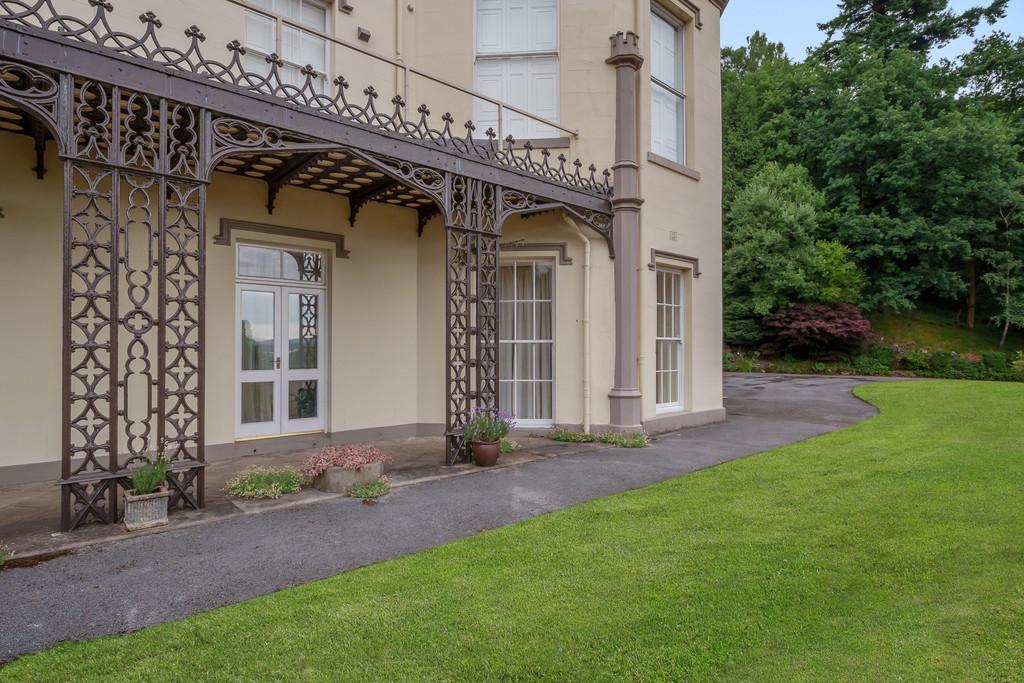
(817, 330)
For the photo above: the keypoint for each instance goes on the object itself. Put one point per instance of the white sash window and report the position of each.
(669, 340)
(295, 47)
(527, 341)
(668, 92)
(517, 62)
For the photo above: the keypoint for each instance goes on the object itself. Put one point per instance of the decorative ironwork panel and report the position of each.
(133, 296)
(139, 234)
(182, 298)
(90, 344)
(34, 90)
(472, 245)
(461, 257)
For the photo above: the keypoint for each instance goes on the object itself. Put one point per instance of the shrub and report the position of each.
(1018, 362)
(487, 425)
(264, 482)
(819, 329)
(5, 554)
(149, 478)
(371, 491)
(507, 446)
(622, 440)
(571, 437)
(996, 360)
(877, 359)
(354, 457)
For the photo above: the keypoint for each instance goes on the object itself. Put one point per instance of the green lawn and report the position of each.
(893, 550)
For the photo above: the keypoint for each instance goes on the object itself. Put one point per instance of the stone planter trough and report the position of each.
(145, 511)
(338, 480)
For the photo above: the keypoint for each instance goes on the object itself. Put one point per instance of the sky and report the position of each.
(795, 23)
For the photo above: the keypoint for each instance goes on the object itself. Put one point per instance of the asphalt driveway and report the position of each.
(144, 581)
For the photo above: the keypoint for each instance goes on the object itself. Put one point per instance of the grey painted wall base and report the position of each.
(670, 422)
(13, 475)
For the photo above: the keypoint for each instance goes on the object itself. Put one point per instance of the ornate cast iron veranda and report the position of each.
(140, 128)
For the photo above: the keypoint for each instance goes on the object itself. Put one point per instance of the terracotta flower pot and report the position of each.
(486, 454)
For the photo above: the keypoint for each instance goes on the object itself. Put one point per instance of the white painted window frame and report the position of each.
(677, 279)
(518, 262)
(680, 27)
(281, 287)
(278, 39)
(505, 56)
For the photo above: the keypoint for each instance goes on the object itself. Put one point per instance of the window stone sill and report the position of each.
(673, 166)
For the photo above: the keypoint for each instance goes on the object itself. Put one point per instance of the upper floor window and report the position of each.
(295, 47)
(668, 91)
(517, 63)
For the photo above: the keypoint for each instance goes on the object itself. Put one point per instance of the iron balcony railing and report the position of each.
(97, 30)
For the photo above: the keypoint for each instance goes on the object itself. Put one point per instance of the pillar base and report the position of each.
(626, 414)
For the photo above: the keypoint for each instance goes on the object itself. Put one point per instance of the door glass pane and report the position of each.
(544, 361)
(302, 399)
(524, 282)
(257, 330)
(524, 321)
(543, 289)
(508, 283)
(543, 320)
(257, 402)
(506, 356)
(525, 361)
(259, 262)
(544, 390)
(303, 331)
(525, 407)
(304, 266)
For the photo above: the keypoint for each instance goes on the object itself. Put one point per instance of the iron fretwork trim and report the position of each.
(89, 46)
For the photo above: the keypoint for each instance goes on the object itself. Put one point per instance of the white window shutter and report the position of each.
(543, 26)
(490, 81)
(516, 26)
(517, 94)
(490, 32)
(543, 94)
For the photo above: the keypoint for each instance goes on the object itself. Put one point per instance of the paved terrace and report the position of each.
(144, 580)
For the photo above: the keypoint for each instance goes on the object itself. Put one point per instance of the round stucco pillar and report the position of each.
(625, 395)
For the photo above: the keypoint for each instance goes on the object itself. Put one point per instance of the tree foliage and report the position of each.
(774, 257)
(912, 166)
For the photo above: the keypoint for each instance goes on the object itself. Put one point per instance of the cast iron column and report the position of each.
(625, 395)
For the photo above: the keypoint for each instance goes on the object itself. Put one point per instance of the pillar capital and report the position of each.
(625, 50)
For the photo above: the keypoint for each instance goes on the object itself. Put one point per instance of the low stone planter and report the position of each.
(338, 480)
(145, 511)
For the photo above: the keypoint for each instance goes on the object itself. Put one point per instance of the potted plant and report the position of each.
(145, 506)
(484, 430)
(336, 469)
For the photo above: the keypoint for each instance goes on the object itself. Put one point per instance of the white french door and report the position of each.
(280, 351)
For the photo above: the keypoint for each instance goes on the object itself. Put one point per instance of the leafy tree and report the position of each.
(994, 73)
(892, 25)
(1006, 260)
(773, 258)
(759, 84)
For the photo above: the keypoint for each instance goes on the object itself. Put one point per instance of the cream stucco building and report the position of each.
(254, 248)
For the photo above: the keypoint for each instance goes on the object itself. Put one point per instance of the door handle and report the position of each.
(277, 362)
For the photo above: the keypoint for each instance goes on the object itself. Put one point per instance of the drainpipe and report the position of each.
(586, 321)
(400, 52)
